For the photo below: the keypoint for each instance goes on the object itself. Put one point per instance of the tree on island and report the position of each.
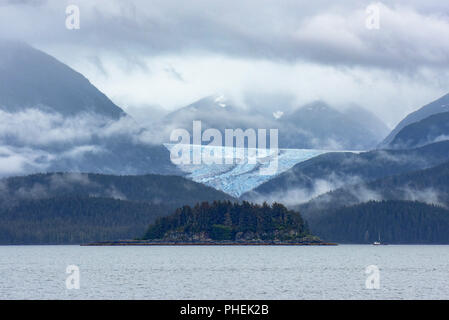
(225, 220)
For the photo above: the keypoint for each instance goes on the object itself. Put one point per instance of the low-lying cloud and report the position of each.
(32, 140)
(56, 184)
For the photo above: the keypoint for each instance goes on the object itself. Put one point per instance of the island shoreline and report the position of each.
(205, 243)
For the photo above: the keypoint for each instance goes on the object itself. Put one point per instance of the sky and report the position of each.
(151, 57)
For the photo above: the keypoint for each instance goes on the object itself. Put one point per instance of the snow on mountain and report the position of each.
(220, 100)
(316, 125)
(278, 114)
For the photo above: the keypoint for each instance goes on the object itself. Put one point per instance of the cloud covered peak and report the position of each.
(33, 79)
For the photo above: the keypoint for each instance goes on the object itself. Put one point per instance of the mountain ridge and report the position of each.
(47, 84)
(333, 170)
(437, 106)
(299, 128)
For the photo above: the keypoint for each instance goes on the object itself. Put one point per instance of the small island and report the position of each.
(227, 223)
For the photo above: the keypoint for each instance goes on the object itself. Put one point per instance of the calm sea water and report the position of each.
(405, 272)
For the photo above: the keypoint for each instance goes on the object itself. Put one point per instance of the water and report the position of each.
(406, 272)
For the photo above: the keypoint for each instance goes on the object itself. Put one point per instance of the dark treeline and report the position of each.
(224, 220)
(62, 208)
(75, 220)
(395, 221)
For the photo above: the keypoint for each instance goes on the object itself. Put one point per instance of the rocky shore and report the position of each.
(205, 243)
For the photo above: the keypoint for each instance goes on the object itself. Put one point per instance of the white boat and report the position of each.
(377, 243)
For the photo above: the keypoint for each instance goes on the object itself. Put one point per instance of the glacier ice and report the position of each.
(243, 175)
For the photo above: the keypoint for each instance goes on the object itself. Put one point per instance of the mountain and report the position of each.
(61, 208)
(431, 129)
(333, 170)
(438, 106)
(395, 222)
(53, 119)
(378, 129)
(319, 126)
(216, 112)
(313, 126)
(152, 188)
(429, 185)
(32, 79)
(117, 155)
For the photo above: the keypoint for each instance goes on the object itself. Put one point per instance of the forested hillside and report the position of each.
(431, 129)
(173, 191)
(435, 107)
(393, 221)
(61, 208)
(429, 186)
(74, 220)
(342, 169)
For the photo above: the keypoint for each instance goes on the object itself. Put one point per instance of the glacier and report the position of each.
(244, 174)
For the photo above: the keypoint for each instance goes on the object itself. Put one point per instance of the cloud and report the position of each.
(34, 127)
(165, 53)
(294, 196)
(79, 151)
(33, 140)
(440, 138)
(56, 184)
(350, 194)
(264, 29)
(362, 193)
(22, 2)
(16, 160)
(316, 187)
(406, 38)
(426, 195)
(50, 186)
(67, 180)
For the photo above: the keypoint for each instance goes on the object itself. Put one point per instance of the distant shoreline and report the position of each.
(205, 243)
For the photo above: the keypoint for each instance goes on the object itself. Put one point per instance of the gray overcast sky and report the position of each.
(163, 54)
